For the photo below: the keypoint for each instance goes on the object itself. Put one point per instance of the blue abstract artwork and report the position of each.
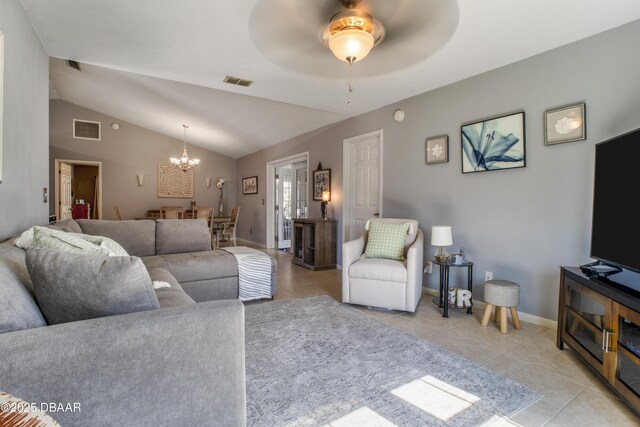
(494, 144)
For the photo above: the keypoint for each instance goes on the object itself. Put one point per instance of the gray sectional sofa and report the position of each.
(179, 363)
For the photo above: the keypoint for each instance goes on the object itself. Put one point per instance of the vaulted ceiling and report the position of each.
(161, 63)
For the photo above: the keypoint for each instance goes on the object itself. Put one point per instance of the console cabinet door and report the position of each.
(627, 369)
(587, 326)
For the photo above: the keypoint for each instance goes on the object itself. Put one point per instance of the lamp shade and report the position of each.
(326, 196)
(441, 235)
(354, 44)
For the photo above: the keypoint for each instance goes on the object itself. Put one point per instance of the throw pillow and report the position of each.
(63, 241)
(386, 240)
(70, 286)
(112, 247)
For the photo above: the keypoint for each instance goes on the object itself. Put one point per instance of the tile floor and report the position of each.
(573, 396)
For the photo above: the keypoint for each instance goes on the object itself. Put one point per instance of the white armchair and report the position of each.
(380, 282)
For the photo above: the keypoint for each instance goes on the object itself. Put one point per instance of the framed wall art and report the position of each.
(437, 150)
(250, 185)
(173, 182)
(494, 144)
(565, 124)
(321, 182)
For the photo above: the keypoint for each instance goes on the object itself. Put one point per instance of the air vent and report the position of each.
(238, 81)
(73, 64)
(84, 129)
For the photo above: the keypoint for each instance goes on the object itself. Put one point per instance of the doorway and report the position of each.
(362, 186)
(287, 198)
(78, 189)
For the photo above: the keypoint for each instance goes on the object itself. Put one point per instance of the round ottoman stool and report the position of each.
(501, 294)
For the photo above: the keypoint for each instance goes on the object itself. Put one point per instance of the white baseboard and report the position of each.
(525, 317)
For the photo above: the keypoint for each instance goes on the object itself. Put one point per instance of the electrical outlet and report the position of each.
(488, 275)
(428, 267)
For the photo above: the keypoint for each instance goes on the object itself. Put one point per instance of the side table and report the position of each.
(443, 299)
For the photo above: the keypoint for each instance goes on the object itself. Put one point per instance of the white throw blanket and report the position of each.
(254, 272)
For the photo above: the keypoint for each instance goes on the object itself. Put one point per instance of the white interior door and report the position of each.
(66, 196)
(364, 180)
(299, 163)
(285, 204)
(300, 190)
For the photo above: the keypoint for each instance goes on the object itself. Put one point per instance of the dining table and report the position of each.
(217, 221)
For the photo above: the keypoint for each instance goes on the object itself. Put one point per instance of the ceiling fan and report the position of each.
(295, 34)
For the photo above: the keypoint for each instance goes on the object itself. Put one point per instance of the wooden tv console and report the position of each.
(600, 320)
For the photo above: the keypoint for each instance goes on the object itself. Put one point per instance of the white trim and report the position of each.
(346, 175)
(56, 184)
(525, 317)
(271, 166)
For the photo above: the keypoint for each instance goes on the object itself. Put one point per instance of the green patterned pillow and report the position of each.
(111, 246)
(64, 242)
(386, 240)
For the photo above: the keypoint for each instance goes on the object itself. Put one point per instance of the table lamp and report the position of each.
(326, 196)
(441, 237)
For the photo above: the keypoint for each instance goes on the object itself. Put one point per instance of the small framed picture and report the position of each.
(321, 182)
(493, 144)
(565, 124)
(437, 149)
(250, 185)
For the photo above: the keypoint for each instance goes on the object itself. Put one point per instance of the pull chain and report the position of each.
(350, 86)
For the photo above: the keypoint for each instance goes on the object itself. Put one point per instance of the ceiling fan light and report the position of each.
(351, 43)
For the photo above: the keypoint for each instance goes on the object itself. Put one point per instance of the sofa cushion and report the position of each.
(137, 237)
(379, 269)
(18, 309)
(70, 287)
(174, 236)
(196, 266)
(386, 240)
(173, 296)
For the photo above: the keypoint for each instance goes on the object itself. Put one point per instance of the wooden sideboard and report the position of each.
(314, 243)
(600, 320)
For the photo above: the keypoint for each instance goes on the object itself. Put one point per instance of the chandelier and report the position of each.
(184, 163)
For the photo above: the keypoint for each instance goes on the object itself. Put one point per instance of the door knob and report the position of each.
(377, 214)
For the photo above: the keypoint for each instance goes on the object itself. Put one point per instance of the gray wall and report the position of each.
(521, 224)
(26, 123)
(131, 150)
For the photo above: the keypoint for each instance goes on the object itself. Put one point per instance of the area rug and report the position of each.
(315, 361)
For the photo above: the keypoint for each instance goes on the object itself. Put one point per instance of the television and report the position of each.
(615, 228)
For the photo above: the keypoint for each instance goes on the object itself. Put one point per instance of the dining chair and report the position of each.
(116, 209)
(171, 212)
(204, 212)
(228, 232)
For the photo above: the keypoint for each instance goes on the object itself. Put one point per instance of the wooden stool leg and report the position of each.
(503, 320)
(514, 317)
(496, 316)
(487, 315)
